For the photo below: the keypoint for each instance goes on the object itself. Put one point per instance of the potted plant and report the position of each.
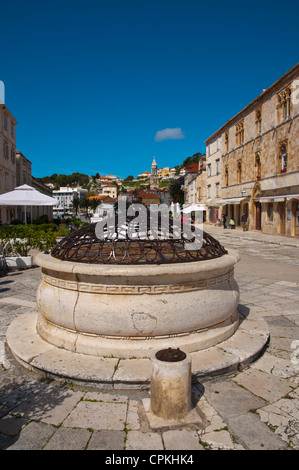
(18, 254)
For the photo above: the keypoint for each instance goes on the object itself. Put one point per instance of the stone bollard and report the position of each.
(171, 384)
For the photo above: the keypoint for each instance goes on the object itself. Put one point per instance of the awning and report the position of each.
(193, 208)
(288, 197)
(272, 199)
(235, 200)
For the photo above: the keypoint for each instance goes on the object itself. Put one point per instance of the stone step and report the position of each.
(37, 355)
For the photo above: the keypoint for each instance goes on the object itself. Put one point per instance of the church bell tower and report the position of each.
(154, 181)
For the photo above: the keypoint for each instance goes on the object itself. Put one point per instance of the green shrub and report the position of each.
(20, 247)
(16, 222)
(22, 238)
(43, 219)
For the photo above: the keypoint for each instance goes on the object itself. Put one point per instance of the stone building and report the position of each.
(166, 171)
(108, 189)
(7, 161)
(38, 211)
(213, 177)
(23, 169)
(201, 181)
(15, 170)
(190, 186)
(148, 197)
(24, 176)
(195, 184)
(258, 159)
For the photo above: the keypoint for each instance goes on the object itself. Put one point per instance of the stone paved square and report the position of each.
(98, 415)
(253, 408)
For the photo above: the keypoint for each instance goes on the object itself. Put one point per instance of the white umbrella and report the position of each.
(193, 207)
(26, 196)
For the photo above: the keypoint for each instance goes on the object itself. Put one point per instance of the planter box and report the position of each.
(19, 262)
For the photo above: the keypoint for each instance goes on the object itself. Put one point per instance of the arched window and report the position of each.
(226, 141)
(226, 175)
(258, 121)
(284, 157)
(240, 133)
(284, 105)
(239, 172)
(258, 165)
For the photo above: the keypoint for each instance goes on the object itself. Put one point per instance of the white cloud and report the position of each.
(169, 134)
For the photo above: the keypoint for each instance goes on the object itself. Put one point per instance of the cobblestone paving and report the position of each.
(254, 409)
(256, 244)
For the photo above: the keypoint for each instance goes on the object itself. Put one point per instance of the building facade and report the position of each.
(7, 161)
(190, 186)
(23, 176)
(23, 169)
(38, 211)
(148, 197)
(108, 189)
(65, 197)
(144, 174)
(201, 180)
(258, 159)
(15, 170)
(213, 178)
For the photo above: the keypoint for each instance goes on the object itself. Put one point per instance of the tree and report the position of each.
(129, 178)
(93, 204)
(186, 162)
(76, 204)
(176, 192)
(85, 204)
(194, 159)
(75, 179)
(177, 169)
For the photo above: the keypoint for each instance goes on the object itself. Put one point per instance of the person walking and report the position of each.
(224, 220)
(243, 221)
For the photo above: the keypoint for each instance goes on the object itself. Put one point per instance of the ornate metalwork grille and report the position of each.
(121, 247)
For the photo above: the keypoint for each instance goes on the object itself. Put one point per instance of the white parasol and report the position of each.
(193, 207)
(26, 196)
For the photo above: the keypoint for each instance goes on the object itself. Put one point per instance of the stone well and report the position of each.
(133, 311)
(106, 307)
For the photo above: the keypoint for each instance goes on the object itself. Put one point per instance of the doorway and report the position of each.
(281, 213)
(258, 216)
(296, 204)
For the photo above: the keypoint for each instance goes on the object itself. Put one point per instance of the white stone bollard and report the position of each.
(171, 384)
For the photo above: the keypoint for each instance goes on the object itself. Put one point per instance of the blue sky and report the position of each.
(92, 83)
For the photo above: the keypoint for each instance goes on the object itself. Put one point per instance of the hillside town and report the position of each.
(249, 174)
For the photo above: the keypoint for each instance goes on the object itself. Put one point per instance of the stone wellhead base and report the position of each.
(101, 325)
(132, 311)
(36, 354)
